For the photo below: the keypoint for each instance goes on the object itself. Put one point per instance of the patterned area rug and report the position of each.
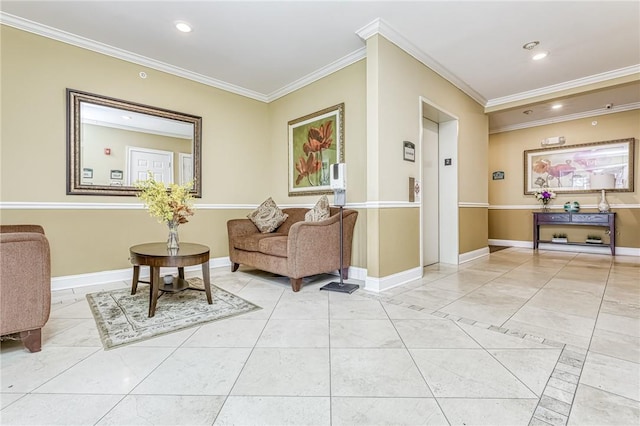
(122, 318)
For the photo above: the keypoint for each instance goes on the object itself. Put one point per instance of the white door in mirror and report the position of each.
(141, 161)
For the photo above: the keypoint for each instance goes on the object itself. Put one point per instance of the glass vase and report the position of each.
(544, 208)
(173, 240)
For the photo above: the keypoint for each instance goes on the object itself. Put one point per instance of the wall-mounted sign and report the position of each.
(409, 151)
(87, 173)
(116, 174)
(499, 175)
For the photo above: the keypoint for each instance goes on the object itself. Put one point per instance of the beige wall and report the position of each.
(244, 149)
(346, 86)
(508, 221)
(35, 73)
(402, 80)
(244, 156)
(395, 83)
(473, 232)
(84, 241)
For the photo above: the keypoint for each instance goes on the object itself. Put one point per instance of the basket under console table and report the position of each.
(605, 220)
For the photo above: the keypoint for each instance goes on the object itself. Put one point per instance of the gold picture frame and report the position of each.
(588, 167)
(315, 142)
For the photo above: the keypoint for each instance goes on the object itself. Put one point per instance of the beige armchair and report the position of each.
(297, 249)
(25, 283)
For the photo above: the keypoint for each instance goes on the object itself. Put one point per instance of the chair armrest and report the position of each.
(237, 228)
(21, 228)
(25, 281)
(314, 247)
(240, 227)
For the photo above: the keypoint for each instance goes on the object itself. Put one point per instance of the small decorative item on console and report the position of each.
(594, 239)
(545, 195)
(559, 238)
(572, 207)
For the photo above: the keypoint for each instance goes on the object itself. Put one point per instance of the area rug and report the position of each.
(122, 318)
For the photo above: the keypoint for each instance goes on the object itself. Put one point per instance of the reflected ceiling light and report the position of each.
(126, 117)
(183, 26)
(540, 55)
(556, 106)
(527, 111)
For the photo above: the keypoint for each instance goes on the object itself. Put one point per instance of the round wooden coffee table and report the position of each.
(157, 255)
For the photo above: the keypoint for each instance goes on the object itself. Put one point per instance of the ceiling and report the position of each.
(266, 49)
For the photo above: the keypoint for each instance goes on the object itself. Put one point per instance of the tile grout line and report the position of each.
(563, 381)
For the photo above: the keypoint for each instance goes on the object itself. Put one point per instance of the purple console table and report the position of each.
(606, 220)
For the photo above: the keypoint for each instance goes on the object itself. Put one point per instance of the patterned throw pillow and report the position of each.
(268, 216)
(319, 212)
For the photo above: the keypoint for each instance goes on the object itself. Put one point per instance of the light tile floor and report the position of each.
(514, 338)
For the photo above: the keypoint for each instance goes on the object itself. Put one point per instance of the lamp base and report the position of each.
(340, 287)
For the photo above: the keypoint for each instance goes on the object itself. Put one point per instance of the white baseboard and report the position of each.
(620, 251)
(390, 281)
(104, 277)
(357, 273)
(472, 255)
(511, 243)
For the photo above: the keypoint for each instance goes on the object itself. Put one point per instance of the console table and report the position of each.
(606, 220)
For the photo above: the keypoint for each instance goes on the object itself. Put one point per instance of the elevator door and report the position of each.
(430, 194)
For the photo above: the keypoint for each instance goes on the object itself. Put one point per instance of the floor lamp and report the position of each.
(339, 186)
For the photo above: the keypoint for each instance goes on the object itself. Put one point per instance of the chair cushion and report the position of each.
(319, 212)
(268, 216)
(274, 246)
(251, 242)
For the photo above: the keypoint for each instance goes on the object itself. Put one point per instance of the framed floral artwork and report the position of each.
(586, 167)
(315, 142)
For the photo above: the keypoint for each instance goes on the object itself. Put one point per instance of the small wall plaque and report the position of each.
(409, 151)
(116, 174)
(499, 175)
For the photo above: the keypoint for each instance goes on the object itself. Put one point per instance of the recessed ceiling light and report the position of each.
(540, 55)
(556, 106)
(530, 45)
(183, 26)
(527, 111)
(126, 117)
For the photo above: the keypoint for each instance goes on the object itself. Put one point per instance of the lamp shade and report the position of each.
(603, 181)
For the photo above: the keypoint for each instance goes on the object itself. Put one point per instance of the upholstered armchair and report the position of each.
(25, 283)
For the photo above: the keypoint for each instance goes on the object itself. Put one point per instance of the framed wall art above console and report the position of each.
(585, 167)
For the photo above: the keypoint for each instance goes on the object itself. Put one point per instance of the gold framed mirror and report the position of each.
(112, 143)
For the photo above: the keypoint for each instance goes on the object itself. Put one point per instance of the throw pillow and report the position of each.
(319, 212)
(268, 216)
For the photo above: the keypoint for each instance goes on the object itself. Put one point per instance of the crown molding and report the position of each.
(572, 84)
(568, 117)
(379, 26)
(85, 43)
(337, 65)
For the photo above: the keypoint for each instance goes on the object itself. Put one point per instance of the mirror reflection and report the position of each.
(113, 143)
